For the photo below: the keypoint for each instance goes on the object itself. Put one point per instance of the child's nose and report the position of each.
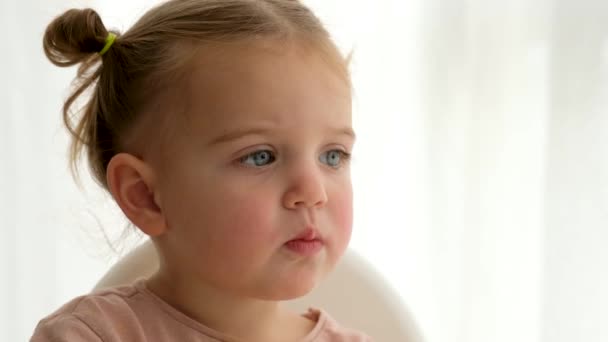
(305, 189)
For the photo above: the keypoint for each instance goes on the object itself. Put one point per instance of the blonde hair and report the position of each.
(146, 59)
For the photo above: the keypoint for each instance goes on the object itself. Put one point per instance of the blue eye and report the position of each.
(334, 158)
(258, 158)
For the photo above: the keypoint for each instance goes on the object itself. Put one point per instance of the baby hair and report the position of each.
(126, 76)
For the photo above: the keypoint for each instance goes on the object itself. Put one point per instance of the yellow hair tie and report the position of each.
(109, 41)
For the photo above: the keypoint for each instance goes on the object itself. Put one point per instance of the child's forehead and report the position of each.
(247, 55)
(249, 84)
(262, 59)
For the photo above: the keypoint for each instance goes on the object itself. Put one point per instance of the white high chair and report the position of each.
(354, 294)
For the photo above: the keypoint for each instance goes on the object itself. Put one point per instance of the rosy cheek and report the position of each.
(249, 222)
(343, 211)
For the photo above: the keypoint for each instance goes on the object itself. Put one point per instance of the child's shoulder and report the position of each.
(102, 315)
(133, 313)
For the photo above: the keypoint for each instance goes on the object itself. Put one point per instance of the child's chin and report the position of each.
(288, 290)
(298, 292)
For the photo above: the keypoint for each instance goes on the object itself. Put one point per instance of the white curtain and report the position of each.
(481, 169)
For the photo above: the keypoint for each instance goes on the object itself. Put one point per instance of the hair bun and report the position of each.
(72, 37)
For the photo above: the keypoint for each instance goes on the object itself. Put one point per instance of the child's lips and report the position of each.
(307, 243)
(305, 247)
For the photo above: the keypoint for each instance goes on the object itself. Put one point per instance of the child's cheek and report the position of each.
(343, 214)
(251, 223)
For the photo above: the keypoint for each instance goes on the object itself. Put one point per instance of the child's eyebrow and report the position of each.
(239, 133)
(346, 131)
(236, 134)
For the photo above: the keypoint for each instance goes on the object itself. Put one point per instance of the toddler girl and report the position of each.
(222, 129)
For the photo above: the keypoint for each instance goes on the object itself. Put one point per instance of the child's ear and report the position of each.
(132, 184)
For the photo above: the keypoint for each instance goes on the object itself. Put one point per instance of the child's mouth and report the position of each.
(305, 247)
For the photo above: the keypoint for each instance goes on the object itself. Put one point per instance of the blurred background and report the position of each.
(480, 171)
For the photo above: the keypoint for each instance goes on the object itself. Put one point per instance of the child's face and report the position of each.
(257, 162)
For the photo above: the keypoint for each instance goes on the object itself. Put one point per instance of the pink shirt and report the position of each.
(135, 314)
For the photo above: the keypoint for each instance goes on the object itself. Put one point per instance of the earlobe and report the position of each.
(132, 184)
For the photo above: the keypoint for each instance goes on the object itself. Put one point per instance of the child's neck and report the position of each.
(244, 318)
